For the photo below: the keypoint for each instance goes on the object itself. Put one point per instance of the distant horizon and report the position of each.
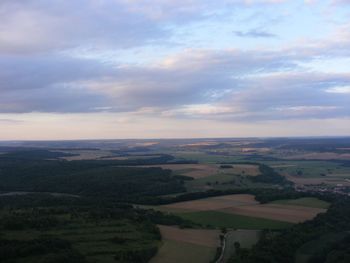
(185, 138)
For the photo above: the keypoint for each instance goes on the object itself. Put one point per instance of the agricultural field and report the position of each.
(320, 181)
(311, 169)
(86, 154)
(203, 157)
(198, 171)
(314, 172)
(175, 251)
(246, 239)
(214, 176)
(305, 201)
(320, 156)
(220, 219)
(328, 172)
(213, 203)
(187, 245)
(285, 213)
(243, 211)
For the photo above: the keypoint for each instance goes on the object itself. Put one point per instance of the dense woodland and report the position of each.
(88, 178)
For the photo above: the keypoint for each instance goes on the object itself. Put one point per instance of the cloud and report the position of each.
(190, 77)
(10, 121)
(49, 83)
(41, 26)
(254, 33)
(335, 2)
(339, 90)
(44, 26)
(231, 84)
(40, 73)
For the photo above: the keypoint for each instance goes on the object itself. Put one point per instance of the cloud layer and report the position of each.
(159, 59)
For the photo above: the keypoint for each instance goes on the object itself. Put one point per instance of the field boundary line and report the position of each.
(222, 250)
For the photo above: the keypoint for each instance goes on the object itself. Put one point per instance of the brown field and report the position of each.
(174, 252)
(187, 245)
(205, 170)
(213, 203)
(203, 237)
(292, 214)
(247, 169)
(244, 204)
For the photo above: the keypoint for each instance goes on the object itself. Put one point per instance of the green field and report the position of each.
(220, 219)
(312, 169)
(306, 201)
(246, 239)
(174, 252)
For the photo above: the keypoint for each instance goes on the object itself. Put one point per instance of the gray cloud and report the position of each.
(41, 26)
(254, 83)
(255, 33)
(10, 121)
(340, 2)
(41, 71)
(231, 84)
(292, 95)
(49, 83)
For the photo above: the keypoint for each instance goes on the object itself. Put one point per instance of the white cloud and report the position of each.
(339, 90)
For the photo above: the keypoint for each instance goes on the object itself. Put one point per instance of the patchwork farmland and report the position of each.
(234, 206)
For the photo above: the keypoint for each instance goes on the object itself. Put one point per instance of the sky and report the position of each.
(110, 69)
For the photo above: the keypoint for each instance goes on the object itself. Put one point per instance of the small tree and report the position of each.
(237, 246)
